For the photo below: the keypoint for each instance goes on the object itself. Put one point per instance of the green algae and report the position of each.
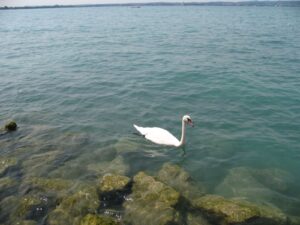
(116, 166)
(48, 184)
(6, 163)
(112, 182)
(176, 177)
(226, 211)
(10, 126)
(151, 201)
(91, 219)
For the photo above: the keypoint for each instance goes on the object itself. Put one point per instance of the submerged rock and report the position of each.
(125, 145)
(47, 185)
(6, 163)
(224, 211)
(91, 219)
(72, 208)
(151, 201)
(7, 186)
(116, 166)
(274, 178)
(241, 182)
(10, 126)
(176, 177)
(82, 202)
(111, 182)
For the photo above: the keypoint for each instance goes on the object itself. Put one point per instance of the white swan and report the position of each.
(162, 136)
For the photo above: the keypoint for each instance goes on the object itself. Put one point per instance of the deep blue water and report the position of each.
(75, 80)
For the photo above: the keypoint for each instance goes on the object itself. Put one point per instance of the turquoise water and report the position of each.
(75, 80)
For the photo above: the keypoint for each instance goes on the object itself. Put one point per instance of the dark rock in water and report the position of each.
(11, 126)
(91, 219)
(176, 177)
(111, 182)
(228, 212)
(151, 202)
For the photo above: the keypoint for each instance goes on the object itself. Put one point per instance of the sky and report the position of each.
(74, 2)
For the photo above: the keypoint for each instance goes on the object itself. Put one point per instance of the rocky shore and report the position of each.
(169, 197)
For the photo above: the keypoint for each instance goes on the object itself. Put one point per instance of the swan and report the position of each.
(163, 137)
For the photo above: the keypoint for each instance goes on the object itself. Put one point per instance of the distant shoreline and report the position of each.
(138, 5)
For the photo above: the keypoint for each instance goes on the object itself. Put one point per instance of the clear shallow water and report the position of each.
(75, 80)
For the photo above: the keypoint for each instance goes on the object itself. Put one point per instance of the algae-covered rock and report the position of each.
(80, 203)
(26, 222)
(29, 206)
(91, 219)
(61, 217)
(226, 211)
(6, 163)
(7, 186)
(47, 185)
(125, 145)
(116, 166)
(196, 219)
(242, 182)
(151, 201)
(11, 126)
(111, 182)
(274, 178)
(176, 177)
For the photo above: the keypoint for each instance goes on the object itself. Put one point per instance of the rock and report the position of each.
(54, 188)
(91, 219)
(274, 178)
(125, 145)
(30, 207)
(10, 126)
(26, 222)
(7, 186)
(111, 182)
(176, 177)
(241, 182)
(151, 201)
(61, 217)
(80, 203)
(116, 166)
(196, 219)
(6, 163)
(229, 212)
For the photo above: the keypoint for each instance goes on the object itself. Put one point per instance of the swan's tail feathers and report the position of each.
(141, 130)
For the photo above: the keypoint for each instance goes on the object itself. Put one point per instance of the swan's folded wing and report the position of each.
(161, 136)
(142, 130)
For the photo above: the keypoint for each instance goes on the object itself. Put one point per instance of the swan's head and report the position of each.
(187, 119)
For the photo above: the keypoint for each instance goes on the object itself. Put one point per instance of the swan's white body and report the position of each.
(163, 137)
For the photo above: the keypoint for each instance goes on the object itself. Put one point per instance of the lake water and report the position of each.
(76, 79)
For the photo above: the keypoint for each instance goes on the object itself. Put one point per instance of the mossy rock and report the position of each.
(7, 183)
(48, 184)
(226, 212)
(112, 182)
(26, 222)
(10, 126)
(151, 201)
(6, 163)
(80, 203)
(92, 219)
(61, 217)
(116, 166)
(176, 177)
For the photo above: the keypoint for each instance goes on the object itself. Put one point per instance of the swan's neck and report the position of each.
(182, 140)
